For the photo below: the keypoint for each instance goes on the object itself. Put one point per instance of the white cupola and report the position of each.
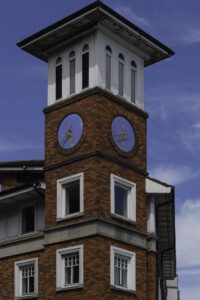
(96, 47)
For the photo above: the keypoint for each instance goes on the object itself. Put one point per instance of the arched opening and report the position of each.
(72, 70)
(108, 67)
(58, 78)
(121, 75)
(85, 66)
(133, 81)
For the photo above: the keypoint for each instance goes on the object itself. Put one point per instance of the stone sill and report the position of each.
(121, 218)
(69, 288)
(35, 296)
(117, 288)
(72, 216)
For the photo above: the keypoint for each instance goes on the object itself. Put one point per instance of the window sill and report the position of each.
(35, 296)
(72, 216)
(118, 288)
(121, 218)
(72, 287)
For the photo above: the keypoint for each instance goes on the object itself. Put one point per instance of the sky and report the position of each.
(172, 99)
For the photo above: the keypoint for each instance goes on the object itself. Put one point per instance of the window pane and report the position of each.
(72, 76)
(28, 219)
(120, 271)
(27, 273)
(85, 70)
(31, 284)
(132, 85)
(24, 286)
(72, 268)
(121, 79)
(124, 278)
(121, 198)
(68, 275)
(59, 82)
(72, 197)
(108, 71)
(76, 274)
(117, 276)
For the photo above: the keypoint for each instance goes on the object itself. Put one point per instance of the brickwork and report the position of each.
(13, 180)
(96, 272)
(9, 181)
(97, 201)
(151, 275)
(97, 159)
(97, 112)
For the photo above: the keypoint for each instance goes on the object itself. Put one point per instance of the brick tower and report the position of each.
(99, 238)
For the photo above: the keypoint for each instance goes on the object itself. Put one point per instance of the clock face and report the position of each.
(123, 134)
(70, 131)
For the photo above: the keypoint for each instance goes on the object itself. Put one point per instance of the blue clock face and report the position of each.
(123, 134)
(70, 131)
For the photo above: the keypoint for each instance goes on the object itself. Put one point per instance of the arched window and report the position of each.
(121, 75)
(133, 81)
(85, 66)
(108, 67)
(58, 78)
(72, 71)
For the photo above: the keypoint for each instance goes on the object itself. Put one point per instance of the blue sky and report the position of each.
(172, 99)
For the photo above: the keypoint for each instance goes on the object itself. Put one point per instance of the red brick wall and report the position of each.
(96, 272)
(97, 201)
(97, 112)
(9, 181)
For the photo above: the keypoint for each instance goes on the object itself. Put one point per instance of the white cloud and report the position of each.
(173, 174)
(127, 12)
(15, 143)
(192, 37)
(189, 136)
(197, 126)
(187, 235)
(190, 292)
(188, 248)
(189, 271)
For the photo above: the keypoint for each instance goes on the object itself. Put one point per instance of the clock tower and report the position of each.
(98, 241)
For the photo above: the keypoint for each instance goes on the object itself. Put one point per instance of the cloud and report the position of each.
(189, 136)
(187, 235)
(15, 143)
(177, 105)
(197, 126)
(190, 292)
(188, 248)
(173, 174)
(128, 13)
(189, 271)
(192, 37)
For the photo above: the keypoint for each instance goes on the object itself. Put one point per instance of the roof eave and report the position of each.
(33, 44)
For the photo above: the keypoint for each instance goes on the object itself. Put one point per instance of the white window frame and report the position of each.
(60, 265)
(61, 202)
(131, 275)
(131, 201)
(18, 278)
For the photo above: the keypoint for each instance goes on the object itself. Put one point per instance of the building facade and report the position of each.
(88, 222)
